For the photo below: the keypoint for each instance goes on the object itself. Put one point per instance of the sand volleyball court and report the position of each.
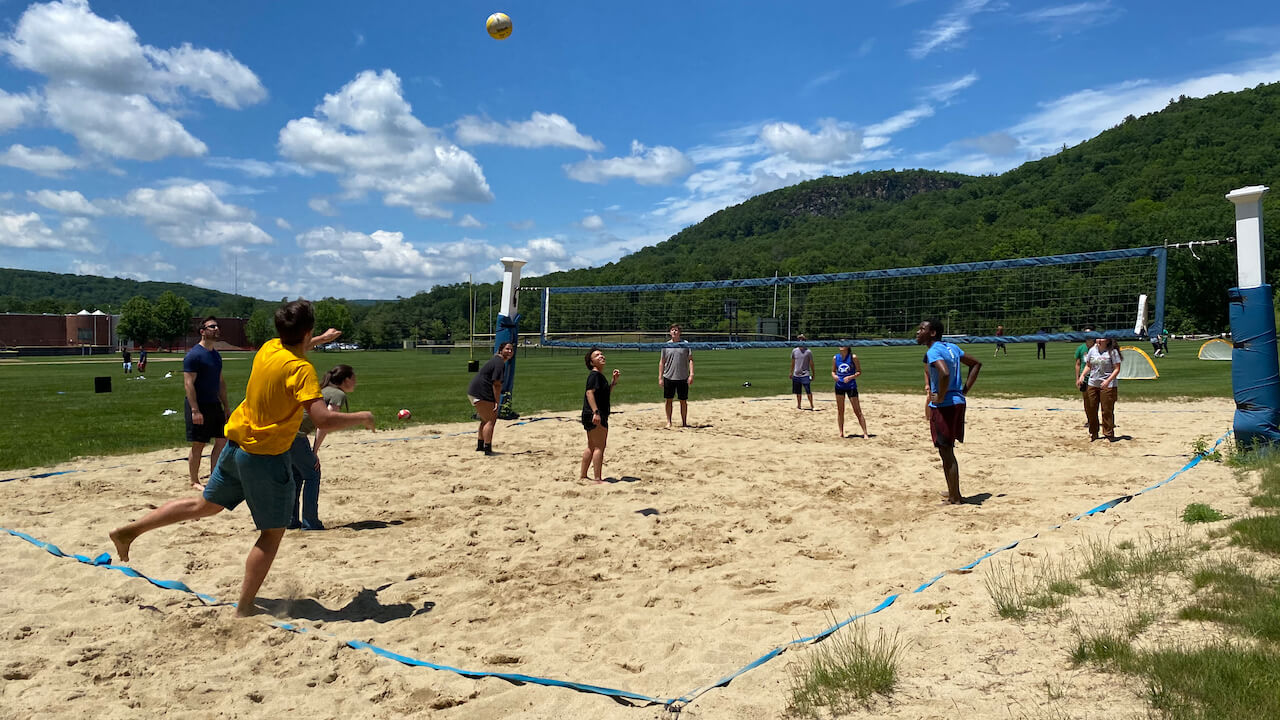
(711, 546)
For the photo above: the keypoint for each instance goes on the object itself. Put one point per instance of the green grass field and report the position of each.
(53, 415)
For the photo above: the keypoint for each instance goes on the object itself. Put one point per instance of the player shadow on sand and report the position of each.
(623, 479)
(364, 606)
(369, 525)
(978, 499)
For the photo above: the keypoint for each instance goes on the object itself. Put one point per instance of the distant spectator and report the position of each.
(205, 404)
(128, 360)
(802, 371)
(142, 360)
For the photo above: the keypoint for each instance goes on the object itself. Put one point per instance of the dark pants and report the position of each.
(306, 483)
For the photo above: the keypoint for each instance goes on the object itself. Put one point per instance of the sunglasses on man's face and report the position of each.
(211, 327)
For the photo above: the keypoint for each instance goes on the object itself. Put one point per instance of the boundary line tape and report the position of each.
(621, 696)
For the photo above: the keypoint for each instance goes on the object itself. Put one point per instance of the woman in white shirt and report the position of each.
(1101, 372)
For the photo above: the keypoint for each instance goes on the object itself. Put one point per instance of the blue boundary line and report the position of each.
(622, 696)
(818, 637)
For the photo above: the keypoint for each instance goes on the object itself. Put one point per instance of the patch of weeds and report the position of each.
(1203, 445)
(1269, 488)
(1237, 598)
(1158, 555)
(1064, 586)
(1139, 619)
(1103, 649)
(844, 671)
(1223, 682)
(1125, 545)
(1260, 533)
(1200, 513)
(1103, 564)
(1009, 589)
(1045, 600)
(1014, 590)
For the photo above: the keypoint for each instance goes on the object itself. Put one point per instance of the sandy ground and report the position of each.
(712, 545)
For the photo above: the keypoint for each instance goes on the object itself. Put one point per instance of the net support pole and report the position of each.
(546, 308)
(508, 329)
(1157, 325)
(1255, 368)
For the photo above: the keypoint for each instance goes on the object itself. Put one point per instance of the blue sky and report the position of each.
(369, 150)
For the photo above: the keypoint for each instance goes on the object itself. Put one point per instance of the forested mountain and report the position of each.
(46, 292)
(1149, 180)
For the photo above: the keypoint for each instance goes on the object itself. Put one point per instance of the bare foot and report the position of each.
(197, 486)
(122, 543)
(252, 610)
(599, 481)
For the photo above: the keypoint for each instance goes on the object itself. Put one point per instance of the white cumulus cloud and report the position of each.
(67, 202)
(833, 141)
(592, 222)
(540, 130)
(28, 231)
(659, 165)
(192, 215)
(105, 88)
(17, 110)
(366, 134)
(47, 161)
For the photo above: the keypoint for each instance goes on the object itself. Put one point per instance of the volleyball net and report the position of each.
(1038, 299)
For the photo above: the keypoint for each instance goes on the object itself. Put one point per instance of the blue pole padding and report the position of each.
(508, 332)
(1157, 326)
(1255, 372)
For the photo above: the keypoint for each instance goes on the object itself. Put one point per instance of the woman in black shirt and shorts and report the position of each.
(595, 413)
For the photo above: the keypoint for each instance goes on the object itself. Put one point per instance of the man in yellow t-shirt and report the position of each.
(255, 466)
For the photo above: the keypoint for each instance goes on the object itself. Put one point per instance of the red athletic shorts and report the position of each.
(946, 425)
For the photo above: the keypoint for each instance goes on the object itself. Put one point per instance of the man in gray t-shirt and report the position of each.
(675, 374)
(801, 372)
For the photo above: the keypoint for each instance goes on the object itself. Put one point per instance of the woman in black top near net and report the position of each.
(484, 393)
(595, 413)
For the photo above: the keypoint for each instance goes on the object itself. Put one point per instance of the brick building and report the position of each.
(92, 333)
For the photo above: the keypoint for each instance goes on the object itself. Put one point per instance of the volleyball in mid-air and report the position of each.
(404, 414)
(498, 25)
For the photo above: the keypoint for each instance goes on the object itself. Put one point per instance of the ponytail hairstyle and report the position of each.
(338, 375)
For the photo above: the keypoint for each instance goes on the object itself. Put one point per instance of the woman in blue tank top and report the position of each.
(845, 370)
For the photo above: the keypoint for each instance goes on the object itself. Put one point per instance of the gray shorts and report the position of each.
(265, 482)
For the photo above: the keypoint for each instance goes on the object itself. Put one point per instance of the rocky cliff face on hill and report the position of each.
(829, 199)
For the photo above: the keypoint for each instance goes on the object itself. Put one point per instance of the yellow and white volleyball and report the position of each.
(499, 26)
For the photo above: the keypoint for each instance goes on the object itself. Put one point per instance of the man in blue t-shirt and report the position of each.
(205, 404)
(944, 402)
